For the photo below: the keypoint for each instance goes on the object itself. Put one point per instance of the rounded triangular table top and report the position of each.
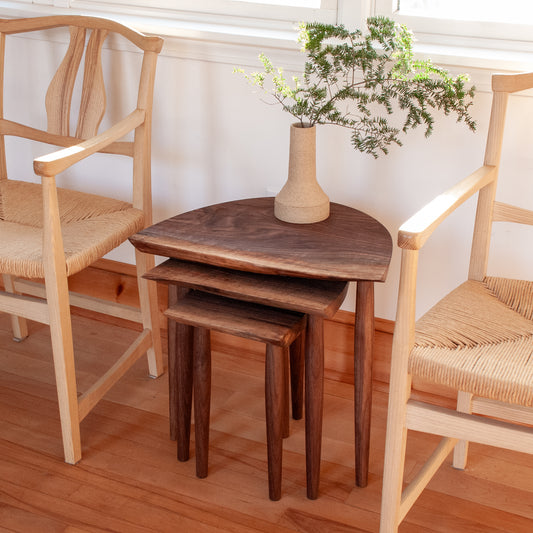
(245, 235)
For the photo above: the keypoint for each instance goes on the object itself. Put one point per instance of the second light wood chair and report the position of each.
(51, 233)
(478, 340)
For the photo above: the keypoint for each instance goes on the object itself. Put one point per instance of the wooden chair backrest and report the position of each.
(58, 100)
(93, 100)
(488, 209)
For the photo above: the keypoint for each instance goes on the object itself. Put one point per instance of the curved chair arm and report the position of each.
(52, 164)
(413, 234)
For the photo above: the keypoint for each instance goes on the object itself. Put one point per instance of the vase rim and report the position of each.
(304, 125)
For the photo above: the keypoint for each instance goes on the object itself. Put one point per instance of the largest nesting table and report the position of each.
(244, 236)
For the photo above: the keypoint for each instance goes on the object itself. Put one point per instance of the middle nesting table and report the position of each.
(318, 299)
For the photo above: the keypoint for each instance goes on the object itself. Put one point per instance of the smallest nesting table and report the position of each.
(245, 236)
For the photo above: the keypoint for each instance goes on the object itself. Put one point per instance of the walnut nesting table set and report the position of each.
(236, 268)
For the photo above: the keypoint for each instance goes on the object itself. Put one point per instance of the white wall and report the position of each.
(215, 140)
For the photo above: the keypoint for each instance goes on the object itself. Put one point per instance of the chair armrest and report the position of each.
(58, 161)
(413, 234)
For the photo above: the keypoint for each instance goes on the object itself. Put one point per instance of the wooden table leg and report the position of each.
(202, 398)
(363, 346)
(314, 394)
(179, 379)
(297, 376)
(172, 376)
(286, 392)
(172, 379)
(275, 404)
(183, 384)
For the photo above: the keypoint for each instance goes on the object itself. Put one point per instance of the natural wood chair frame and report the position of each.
(50, 304)
(457, 427)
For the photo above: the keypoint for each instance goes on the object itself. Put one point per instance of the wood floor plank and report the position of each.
(129, 479)
(19, 520)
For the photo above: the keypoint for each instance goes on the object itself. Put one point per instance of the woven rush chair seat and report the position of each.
(91, 225)
(479, 339)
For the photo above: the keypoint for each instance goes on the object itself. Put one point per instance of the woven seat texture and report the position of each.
(91, 225)
(479, 339)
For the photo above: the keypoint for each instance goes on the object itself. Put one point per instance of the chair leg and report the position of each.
(274, 417)
(55, 279)
(395, 448)
(150, 312)
(297, 376)
(18, 324)
(460, 452)
(202, 397)
(63, 353)
(393, 477)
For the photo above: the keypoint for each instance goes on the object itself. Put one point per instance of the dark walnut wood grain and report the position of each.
(278, 328)
(202, 398)
(251, 321)
(245, 235)
(314, 296)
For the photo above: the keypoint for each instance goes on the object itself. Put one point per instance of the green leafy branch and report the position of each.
(361, 81)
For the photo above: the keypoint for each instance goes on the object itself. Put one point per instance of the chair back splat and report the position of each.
(49, 232)
(477, 340)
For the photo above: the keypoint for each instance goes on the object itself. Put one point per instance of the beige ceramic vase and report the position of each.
(301, 200)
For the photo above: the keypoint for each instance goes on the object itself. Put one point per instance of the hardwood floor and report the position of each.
(129, 479)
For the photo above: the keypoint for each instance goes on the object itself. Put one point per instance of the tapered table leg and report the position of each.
(363, 346)
(172, 376)
(314, 393)
(275, 403)
(179, 379)
(183, 384)
(286, 392)
(202, 398)
(297, 376)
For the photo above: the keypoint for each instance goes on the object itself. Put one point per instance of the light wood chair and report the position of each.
(50, 233)
(477, 340)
